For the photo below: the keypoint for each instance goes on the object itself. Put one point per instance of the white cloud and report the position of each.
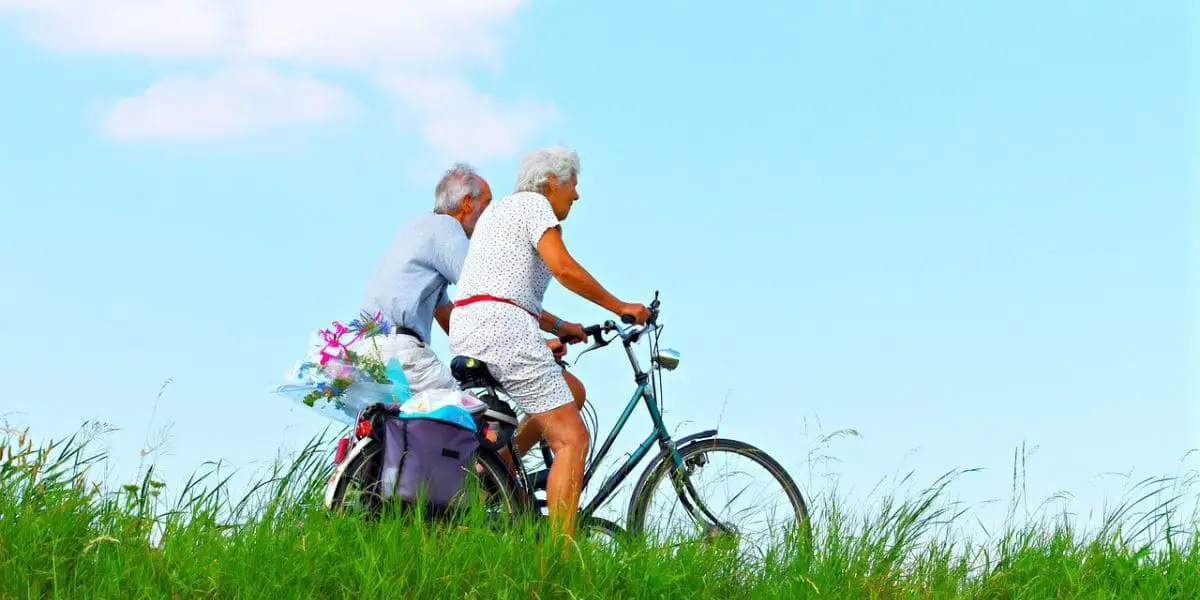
(371, 36)
(351, 33)
(463, 122)
(232, 102)
(161, 28)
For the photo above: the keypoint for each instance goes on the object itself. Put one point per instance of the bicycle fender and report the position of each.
(331, 483)
(662, 455)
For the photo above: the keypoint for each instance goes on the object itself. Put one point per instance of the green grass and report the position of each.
(62, 536)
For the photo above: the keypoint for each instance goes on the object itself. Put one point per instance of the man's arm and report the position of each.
(450, 251)
(449, 257)
(442, 315)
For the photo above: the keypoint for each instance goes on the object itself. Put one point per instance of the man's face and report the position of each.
(562, 195)
(485, 198)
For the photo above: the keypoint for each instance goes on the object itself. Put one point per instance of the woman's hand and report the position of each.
(639, 312)
(572, 333)
(557, 348)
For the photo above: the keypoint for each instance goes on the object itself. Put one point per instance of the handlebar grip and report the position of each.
(628, 319)
(589, 331)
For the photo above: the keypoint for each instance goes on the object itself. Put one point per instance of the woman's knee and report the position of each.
(564, 429)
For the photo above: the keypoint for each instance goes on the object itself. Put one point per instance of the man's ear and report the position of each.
(466, 204)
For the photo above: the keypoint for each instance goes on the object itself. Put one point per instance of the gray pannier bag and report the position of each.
(425, 459)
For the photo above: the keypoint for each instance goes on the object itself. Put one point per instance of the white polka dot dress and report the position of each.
(503, 262)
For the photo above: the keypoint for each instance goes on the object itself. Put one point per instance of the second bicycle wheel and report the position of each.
(357, 490)
(489, 487)
(714, 497)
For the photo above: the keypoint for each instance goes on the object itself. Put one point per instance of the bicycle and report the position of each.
(677, 458)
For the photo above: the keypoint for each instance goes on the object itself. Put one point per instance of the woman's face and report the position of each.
(561, 195)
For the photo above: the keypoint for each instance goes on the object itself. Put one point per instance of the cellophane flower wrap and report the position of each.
(338, 382)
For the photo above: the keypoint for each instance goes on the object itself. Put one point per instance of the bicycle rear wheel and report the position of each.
(357, 489)
(490, 486)
(692, 500)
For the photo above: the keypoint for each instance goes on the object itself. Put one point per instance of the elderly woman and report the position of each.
(498, 317)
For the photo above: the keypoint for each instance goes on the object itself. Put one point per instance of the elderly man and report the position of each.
(517, 247)
(409, 282)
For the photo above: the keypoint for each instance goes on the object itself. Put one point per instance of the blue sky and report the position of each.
(954, 229)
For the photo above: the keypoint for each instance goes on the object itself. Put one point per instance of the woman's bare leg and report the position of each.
(568, 437)
(529, 431)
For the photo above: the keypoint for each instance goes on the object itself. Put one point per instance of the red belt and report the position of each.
(487, 298)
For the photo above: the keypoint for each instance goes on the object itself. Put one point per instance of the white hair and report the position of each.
(536, 167)
(460, 180)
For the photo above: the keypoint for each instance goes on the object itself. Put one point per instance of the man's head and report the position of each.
(553, 173)
(462, 194)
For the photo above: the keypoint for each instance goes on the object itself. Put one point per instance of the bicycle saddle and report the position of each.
(472, 372)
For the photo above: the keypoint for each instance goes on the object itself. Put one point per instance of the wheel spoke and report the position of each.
(707, 506)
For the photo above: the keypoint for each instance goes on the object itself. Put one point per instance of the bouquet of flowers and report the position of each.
(339, 382)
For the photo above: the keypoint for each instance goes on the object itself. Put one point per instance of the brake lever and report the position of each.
(585, 351)
(596, 345)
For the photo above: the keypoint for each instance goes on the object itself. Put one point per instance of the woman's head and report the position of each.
(554, 173)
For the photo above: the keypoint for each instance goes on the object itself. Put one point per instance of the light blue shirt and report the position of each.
(410, 281)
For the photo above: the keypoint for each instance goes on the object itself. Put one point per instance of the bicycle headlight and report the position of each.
(667, 358)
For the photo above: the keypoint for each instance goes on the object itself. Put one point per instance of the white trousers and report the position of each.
(423, 369)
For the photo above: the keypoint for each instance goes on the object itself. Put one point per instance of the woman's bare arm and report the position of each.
(571, 274)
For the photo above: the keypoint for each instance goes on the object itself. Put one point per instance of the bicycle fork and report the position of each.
(680, 473)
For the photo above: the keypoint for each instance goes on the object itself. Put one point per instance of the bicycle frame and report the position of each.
(659, 434)
(646, 393)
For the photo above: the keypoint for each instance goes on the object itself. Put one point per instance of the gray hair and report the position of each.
(535, 168)
(460, 180)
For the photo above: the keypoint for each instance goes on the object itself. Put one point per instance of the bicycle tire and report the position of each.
(605, 526)
(497, 471)
(365, 466)
(640, 500)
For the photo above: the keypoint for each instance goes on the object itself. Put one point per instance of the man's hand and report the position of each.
(572, 332)
(639, 312)
(557, 348)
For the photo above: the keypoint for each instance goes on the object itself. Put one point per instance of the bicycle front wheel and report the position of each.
(698, 500)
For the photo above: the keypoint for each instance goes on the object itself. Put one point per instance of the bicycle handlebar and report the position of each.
(629, 334)
(592, 331)
(629, 319)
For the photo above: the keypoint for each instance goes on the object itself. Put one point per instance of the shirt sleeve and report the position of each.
(538, 216)
(450, 250)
